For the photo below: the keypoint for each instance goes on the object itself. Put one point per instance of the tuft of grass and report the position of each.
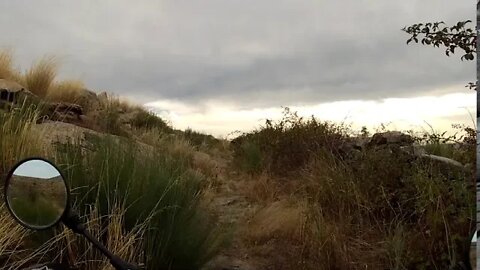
(7, 70)
(107, 117)
(17, 139)
(40, 77)
(6, 65)
(65, 91)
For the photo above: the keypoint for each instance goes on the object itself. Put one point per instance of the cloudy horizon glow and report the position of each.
(219, 66)
(424, 113)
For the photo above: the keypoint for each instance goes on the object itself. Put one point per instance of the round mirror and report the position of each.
(36, 193)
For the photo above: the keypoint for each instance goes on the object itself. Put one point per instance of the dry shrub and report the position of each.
(261, 188)
(66, 91)
(40, 77)
(279, 220)
(206, 165)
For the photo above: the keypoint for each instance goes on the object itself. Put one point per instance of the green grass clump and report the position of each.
(156, 190)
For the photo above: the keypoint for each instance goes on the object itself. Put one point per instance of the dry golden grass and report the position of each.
(171, 144)
(79, 252)
(6, 61)
(12, 236)
(65, 91)
(120, 103)
(40, 77)
(18, 141)
(205, 164)
(261, 188)
(7, 70)
(280, 220)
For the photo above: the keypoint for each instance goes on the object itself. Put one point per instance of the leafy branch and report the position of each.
(457, 37)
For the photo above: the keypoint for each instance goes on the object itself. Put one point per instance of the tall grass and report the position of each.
(17, 141)
(156, 190)
(7, 70)
(40, 77)
(143, 202)
(12, 237)
(6, 65)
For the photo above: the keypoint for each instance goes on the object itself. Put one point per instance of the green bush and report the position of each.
(251, 157)
(148, 120)
(289, 144)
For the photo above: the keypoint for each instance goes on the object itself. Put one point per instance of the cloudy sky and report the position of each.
(37, 169)
(225, 65)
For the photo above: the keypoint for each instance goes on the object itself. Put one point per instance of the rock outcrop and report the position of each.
(11, 93)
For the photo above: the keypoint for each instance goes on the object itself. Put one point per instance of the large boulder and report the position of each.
(390, 137)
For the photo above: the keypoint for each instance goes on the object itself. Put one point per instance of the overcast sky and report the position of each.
(37, 169)
(195, 62)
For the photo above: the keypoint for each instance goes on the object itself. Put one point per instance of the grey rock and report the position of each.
(391, 137)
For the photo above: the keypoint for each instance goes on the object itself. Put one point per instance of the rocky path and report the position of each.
(233, 210)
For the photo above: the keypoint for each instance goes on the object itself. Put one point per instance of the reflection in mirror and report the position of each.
(36, 194)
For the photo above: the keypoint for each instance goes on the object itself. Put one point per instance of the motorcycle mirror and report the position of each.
(36, 193)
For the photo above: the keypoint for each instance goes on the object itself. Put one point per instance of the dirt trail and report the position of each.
(233, 210)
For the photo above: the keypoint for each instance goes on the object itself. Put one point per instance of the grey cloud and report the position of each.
(252, 53)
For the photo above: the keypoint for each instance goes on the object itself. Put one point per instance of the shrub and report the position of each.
(288, 144)
(251, 157)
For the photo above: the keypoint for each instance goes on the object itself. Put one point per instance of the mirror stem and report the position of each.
(73, 222)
